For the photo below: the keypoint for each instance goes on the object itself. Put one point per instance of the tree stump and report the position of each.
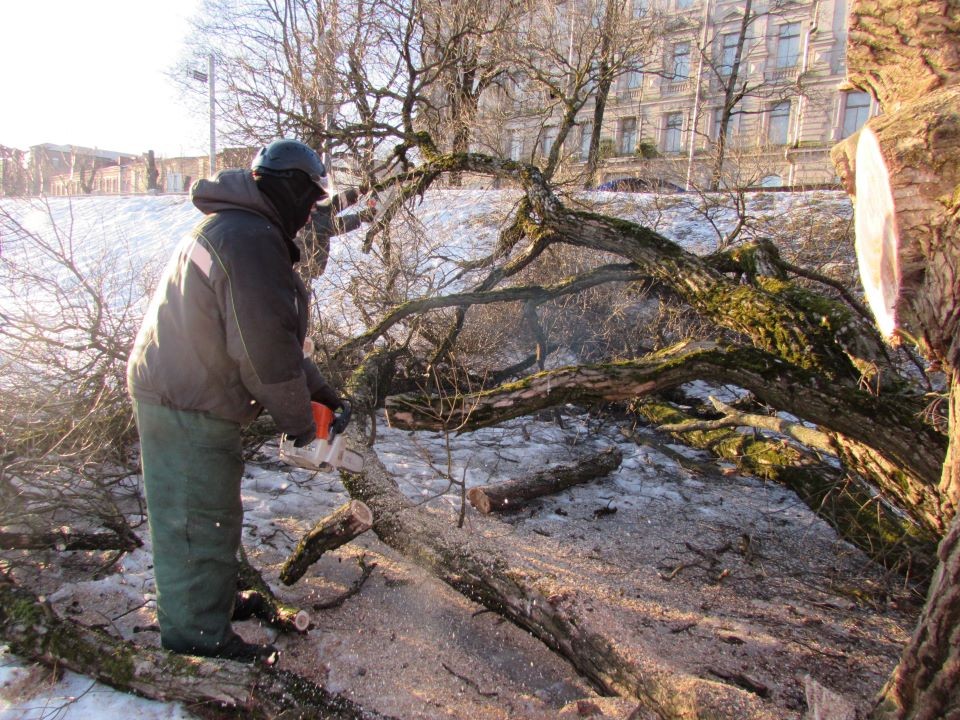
(514, 494)
(340, 527)
(904, 170)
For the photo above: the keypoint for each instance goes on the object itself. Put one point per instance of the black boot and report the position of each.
(237, 649)
(248, 604)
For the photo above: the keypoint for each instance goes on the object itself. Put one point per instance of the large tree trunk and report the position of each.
(904, 170)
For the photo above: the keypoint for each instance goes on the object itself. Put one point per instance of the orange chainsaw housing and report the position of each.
(323, 417)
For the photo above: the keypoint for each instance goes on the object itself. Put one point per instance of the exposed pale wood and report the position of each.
(514, 494)
(279, 614)
(210, 688)
(906, 201)
(338, 528)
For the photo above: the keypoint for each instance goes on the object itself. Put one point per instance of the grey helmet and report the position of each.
(282, 156)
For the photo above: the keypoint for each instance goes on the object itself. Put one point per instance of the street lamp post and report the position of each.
(213, 115)
(210, 79)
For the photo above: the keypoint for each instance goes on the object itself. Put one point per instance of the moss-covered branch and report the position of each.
(857, 514)
(888, 425)
(211, 688)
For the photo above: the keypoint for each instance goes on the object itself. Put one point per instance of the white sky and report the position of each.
(92, 73)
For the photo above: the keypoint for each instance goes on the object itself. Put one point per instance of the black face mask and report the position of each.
(293, 196)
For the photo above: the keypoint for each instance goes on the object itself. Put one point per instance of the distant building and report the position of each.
(662, 123)
(62, 170)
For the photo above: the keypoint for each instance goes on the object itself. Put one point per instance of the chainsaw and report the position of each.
(328, 451)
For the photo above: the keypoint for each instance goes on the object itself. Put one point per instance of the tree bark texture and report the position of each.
(477, 569)
(340, 527)
(900, 50)
(908, 243)
(210, 688)
(514, 494)
(906, 178)
(887, 427)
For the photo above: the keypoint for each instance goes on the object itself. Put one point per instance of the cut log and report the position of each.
(279, 614)
(210, 688)
(514, 495)
(340, 527)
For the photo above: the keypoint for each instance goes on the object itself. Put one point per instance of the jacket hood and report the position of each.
(232, 190)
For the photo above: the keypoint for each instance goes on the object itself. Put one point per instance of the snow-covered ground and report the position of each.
(650, 488)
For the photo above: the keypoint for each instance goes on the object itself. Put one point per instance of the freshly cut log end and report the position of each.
(478, 498)
(361, 514)
(302, 621)
(877, 235)
(340, 527)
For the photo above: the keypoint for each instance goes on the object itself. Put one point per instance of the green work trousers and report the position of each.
(192, 467)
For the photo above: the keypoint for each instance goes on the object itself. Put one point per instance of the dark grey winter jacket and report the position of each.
(225, 329)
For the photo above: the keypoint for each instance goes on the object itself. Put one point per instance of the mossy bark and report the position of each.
(854, 511)
(210, 688)
(887, 425)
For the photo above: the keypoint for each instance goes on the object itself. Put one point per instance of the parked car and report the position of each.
(632, 184)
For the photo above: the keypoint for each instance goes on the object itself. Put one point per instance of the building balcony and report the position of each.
(782, 74)
(676, 87)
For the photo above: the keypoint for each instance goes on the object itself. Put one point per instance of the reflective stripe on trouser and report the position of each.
(192, 467)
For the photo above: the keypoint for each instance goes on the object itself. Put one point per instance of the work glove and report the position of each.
(342, 419)
(305, 438)
(326, 395)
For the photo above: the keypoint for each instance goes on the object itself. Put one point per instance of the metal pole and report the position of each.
(696, 98)
(211, 86)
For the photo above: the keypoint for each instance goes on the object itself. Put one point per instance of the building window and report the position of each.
(684, 4)
(516, 147)
(728, 52)
(673, 133)
(641, 8)
(586, 132)
(680, 62)
(547, 141)
(628, 136)
(856, 111)
(733, 124)
(634, 79)
(788, 45)
(779, 126)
